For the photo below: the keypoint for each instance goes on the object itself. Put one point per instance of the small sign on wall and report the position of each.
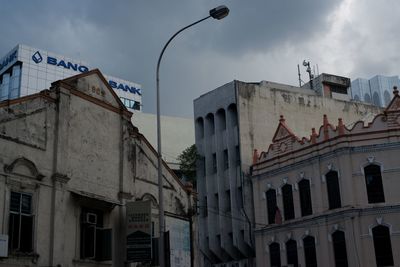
(138, 232)
(3, 246)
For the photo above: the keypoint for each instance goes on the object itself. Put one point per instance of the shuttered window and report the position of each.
(275, 254)
(288, 207)
(309, 251)
(332, 183)
(291, 253)
(383, 246)
(305, 197)
(271, 205)
(373, 180)
(339, 249)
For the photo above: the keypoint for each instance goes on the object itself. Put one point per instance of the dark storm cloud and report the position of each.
(124, 39)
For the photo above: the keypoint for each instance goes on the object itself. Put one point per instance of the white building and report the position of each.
(376, 90)
(26, 70)
(230, 122)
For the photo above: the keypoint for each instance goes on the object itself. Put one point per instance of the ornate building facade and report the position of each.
(330, 199)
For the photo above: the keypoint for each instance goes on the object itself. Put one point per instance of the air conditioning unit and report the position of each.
(90, 218)
(3, 246)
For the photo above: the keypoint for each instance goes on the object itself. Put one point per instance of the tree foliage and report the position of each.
(187, 160)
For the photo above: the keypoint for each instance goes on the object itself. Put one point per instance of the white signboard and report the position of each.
(138, 231)
(179, 239)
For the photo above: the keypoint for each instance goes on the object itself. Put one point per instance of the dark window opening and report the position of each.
(96, 241)
(305, 197)
(20, 227)
(226, 159)
(237, 155)
(275, 254)
(271, 205)
(332, 183)
(205, 214)
(339, 249)
(373, 180)
(383, 246)
(310, 254)
(291, 253)
(288, 206)
(214, 163)
(228, 200)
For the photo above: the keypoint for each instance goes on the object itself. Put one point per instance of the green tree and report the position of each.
(187, 161)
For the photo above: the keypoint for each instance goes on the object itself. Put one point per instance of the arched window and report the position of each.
(376, 100)
(271, 205)
(373, 180)
(339, 249)
(309, 251)
(367, 98)
(291, 253)
(356, 98)
(387, 97)
(383, 246)
(332, 184)
(210, 124)
(275, 254)
(221, 119)
(305, 197)
(288, 207)
(232, 115)
(200, 127)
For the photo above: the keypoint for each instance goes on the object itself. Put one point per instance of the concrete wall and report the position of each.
(75, 147)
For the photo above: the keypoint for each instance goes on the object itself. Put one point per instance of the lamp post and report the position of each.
(218, 13)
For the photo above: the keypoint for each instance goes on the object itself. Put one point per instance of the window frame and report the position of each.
(19, 214)
(374, 195)
(100, 232)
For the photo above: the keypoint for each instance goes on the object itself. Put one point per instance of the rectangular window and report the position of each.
(20, 227)
(237, 155)
(214, 162)
(96, 241)
(228, 200)
(226, 159)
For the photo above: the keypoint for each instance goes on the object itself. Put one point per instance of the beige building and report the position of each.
(331, 199)
(70, 161)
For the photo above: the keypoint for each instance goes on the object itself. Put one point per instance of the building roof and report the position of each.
(287, 146)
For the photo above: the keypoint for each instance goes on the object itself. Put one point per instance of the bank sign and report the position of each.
(8, 59)
(37, 58)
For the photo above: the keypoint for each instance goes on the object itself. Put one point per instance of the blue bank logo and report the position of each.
(37, 57)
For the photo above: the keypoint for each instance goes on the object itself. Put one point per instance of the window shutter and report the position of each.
(88, 241)
(103, 244)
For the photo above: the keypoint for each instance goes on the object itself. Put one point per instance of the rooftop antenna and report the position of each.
(298, 72)
(307, 64)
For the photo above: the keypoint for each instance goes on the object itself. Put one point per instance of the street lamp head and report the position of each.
(219, 12)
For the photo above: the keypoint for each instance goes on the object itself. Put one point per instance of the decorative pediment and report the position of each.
(394, 105)
(23, 167)
(94, 84)
(283, 131)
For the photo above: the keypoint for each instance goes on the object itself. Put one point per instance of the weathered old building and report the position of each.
(331, 199)
(70, 160)
(230, 122)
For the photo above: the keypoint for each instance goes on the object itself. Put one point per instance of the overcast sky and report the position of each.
(259, 40)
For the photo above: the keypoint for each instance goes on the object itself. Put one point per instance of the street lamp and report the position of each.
(218, 13)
